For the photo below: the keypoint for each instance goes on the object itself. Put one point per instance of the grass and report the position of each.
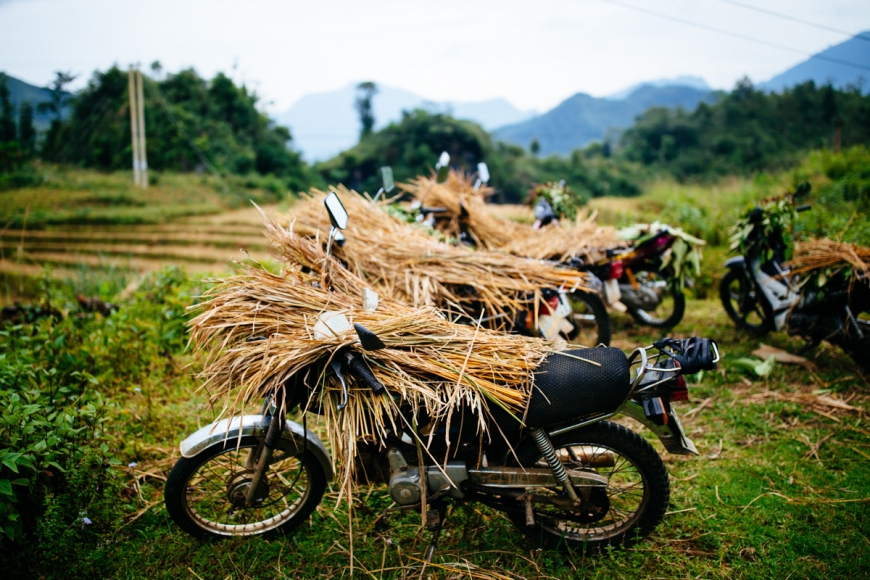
(781, 488)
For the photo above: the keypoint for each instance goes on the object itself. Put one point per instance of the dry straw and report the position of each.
(404, 262)
(255, 331)
(819, 255)
(581, 239)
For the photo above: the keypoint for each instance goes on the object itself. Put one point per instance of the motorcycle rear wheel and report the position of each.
(200, 490)
(740, 300)
(637, 493)
(669, 312)
(590, 320)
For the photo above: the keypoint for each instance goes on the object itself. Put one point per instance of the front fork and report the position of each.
(265, 451)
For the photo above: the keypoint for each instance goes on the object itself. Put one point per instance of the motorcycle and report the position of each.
(640, 279)
(760, 294)
(573, 316)
(564, 474)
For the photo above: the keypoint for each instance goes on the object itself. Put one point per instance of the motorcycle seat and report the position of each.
(568, 387)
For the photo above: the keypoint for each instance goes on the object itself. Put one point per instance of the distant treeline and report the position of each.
(198, 124)
(191, 124)
(748, 130)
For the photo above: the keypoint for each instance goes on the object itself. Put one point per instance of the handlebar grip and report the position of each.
(360, 370)
(802, 208)
(428, 210)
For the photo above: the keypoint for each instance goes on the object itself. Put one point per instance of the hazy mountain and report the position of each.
(681, 81)
(581, 119)
(20, 91)
(324, 124)
(855, 50)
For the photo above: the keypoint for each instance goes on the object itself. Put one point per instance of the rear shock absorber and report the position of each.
(545, 446)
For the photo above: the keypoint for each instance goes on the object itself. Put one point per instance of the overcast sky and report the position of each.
(534, 53)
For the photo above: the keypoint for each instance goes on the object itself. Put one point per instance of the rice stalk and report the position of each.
(466, 207)
(405, 263)
(255, 333)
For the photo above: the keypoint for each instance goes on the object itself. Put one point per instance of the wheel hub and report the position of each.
(237, 490)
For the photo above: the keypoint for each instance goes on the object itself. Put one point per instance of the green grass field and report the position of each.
(781, 488)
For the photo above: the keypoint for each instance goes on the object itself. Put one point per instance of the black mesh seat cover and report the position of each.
(566, 387)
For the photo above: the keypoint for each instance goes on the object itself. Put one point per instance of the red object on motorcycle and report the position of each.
(548, 306)
(616, 270)
(681, 393)
(655, 411)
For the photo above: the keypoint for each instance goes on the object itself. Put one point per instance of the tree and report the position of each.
(59, 96)
(535, 146)
(7, 113)
(365, 93)
(26, 131)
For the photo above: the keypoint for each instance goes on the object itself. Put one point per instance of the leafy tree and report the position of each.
(365, 93)
(26, 130)
(190, 123)
(747, 130)
(535, 146)
(7, 113)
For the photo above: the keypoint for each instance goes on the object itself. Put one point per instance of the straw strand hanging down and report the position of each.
(428, 361)
(582, 239)
(401, 261)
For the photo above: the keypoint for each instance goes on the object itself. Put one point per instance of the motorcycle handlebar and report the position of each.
(802, 208)
(360, 369)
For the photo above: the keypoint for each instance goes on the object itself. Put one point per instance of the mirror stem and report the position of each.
(377, 195)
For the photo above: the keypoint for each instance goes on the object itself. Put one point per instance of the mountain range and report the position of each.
(325, 124)
(827, 67)
(20, 91)
(581, 119)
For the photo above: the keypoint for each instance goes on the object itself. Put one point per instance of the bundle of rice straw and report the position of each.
(457, 192)
(582, 238)
(402, 261)
(430, 362)
(822, 254)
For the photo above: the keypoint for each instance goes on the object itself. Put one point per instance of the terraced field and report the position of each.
(199, 244)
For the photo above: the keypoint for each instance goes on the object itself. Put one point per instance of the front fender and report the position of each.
(294, 437)
(736, 263)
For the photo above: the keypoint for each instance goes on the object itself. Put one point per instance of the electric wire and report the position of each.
(795, 19)
(737, 35)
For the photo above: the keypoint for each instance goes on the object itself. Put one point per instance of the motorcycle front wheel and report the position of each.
(672, 306)
(205, 494)
(590, 320)
(629, 508)
(740, 300)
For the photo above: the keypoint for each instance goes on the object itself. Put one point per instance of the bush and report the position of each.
(54, 373)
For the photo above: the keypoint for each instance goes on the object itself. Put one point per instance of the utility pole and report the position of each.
(143, 154)
(134, 125)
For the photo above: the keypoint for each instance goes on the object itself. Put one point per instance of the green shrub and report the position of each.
(54, 373)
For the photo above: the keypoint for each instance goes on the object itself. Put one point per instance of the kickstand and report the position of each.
(434, 523)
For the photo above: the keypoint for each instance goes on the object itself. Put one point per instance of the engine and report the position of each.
(405, 488)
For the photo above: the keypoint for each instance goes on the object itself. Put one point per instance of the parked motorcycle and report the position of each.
(641, 278)
(574, 316)
(564, 475)
(760, 294)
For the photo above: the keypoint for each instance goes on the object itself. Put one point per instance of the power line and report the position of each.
(738, 35)
(795, 19)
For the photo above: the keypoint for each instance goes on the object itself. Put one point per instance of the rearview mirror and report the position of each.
(442, 167)
(336, 211)
(387, 178)
(483, 172)
(368, 339)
